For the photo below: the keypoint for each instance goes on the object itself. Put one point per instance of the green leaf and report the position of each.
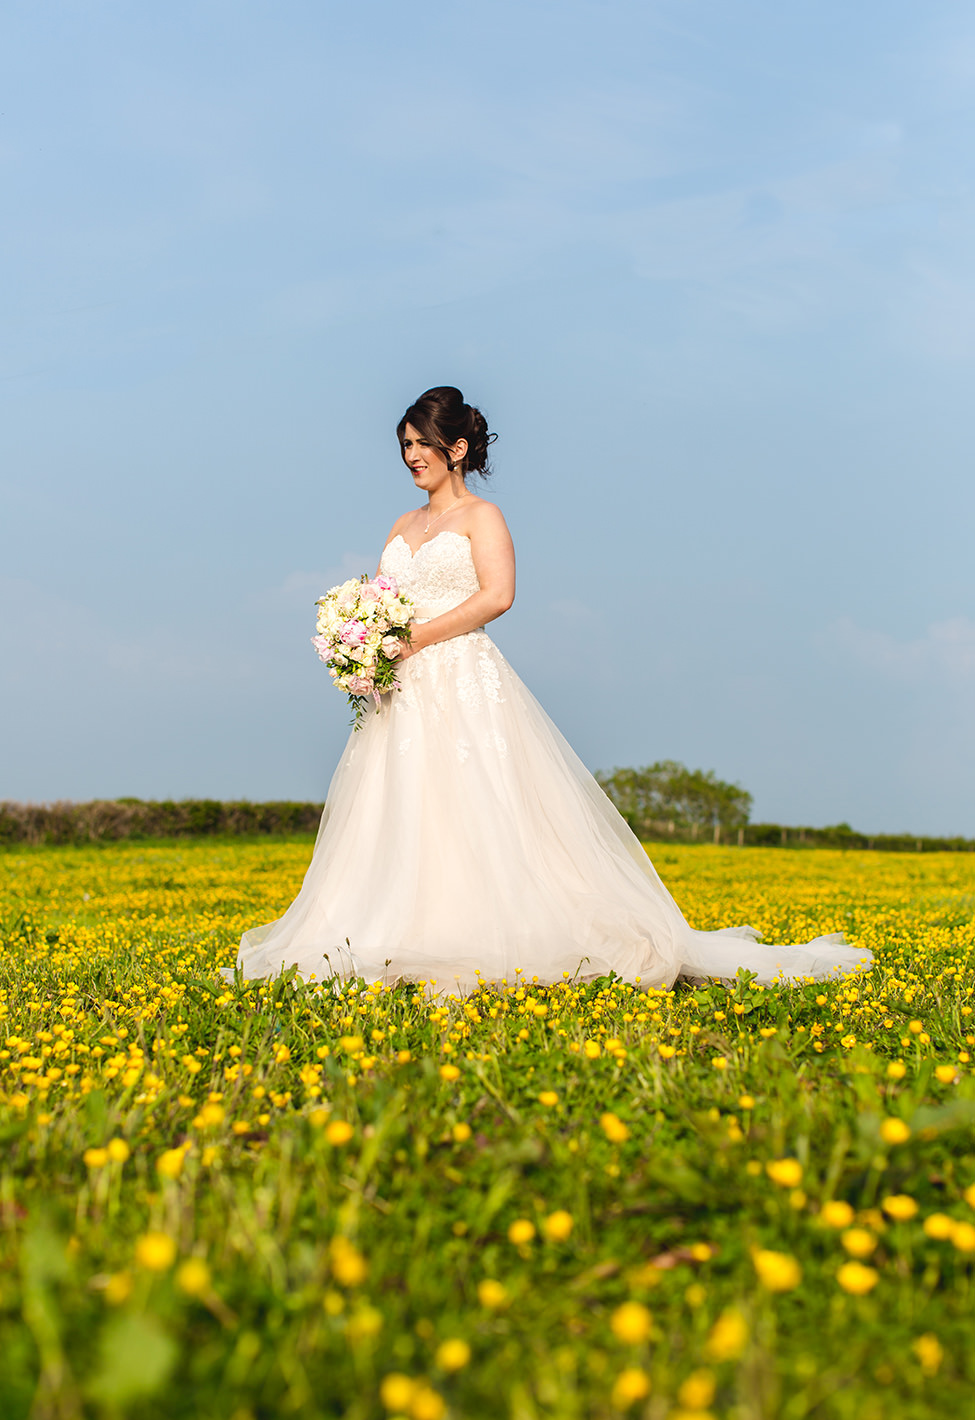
(135, 1361)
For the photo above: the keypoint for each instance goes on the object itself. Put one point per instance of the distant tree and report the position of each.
(668, 797)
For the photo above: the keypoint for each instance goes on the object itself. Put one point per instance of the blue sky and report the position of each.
(709, 270)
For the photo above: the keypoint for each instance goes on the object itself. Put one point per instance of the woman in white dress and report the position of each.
(462, 838)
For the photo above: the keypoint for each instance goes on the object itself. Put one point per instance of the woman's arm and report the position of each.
(494, 562)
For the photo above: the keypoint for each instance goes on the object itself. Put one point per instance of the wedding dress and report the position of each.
(463, 839)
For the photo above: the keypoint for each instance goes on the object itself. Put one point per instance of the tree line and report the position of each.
(661, 802)
(109, 820)
(667, 800)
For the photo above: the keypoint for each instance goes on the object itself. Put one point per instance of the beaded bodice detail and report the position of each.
(438, 576)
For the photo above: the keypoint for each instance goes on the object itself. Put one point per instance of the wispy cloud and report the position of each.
(946, 651)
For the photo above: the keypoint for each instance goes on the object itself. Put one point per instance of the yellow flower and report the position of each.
(558, 1225)
(521, 1231)
(969, 1195)
(339, 1131)
(947, 1074)
(787, 1173)
(614, 1128)
(593, 1049)
(426, 1404)
(193, 1277)
(836, 1214)
(939, 1226)
(720, 1062)
(896, 1070)
(666, 1052)
(349, 1267)
(895, 1131)
(728, 1337)
(453, 1355)
(364, 1323)
(191, 1065)
(631, 1323)
(899, 1206)
(858, 1242)
(210, 1116)
(282, 1055)
(118, 1288)
(461, 1133)
(697, 1392)
(156, 1252)
(352, 1043)
(118, 1150)
(170, 1163)
(548, 1098)
(96, 1158)
(491, 1294)
(777, 1271)
(746, 1102)
(449, 1072)
(630, 1386)
(396, 1391)
(929, 1352)
(856, 1279)
(963, 1237)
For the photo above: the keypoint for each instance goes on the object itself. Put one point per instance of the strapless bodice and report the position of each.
(438, 576)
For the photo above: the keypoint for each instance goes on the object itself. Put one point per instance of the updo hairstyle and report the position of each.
(441, 417)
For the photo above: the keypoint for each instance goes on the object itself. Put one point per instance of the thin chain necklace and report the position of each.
(431, 521)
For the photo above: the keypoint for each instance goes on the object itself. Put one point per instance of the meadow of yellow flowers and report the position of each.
(567, 1201)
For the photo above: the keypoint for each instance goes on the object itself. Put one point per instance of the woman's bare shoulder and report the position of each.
(482, 516)
(401, 524)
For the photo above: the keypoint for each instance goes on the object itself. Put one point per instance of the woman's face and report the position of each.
(425, 461)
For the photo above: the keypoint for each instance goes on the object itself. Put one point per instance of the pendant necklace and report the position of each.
(431, 521)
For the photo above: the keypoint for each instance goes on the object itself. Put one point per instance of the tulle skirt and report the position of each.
(463, 839)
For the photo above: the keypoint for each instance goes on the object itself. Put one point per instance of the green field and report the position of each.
(534, 1202)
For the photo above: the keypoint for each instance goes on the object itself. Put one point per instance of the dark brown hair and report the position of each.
(441, 417)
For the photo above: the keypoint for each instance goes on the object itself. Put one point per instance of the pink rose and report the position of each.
(359, 685)
(386, 584)
(392, 646)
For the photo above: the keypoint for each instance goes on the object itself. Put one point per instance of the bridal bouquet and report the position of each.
(362, 627)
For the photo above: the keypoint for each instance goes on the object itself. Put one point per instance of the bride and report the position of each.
(462, 838)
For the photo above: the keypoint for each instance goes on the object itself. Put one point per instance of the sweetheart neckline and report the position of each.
(444, 532)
